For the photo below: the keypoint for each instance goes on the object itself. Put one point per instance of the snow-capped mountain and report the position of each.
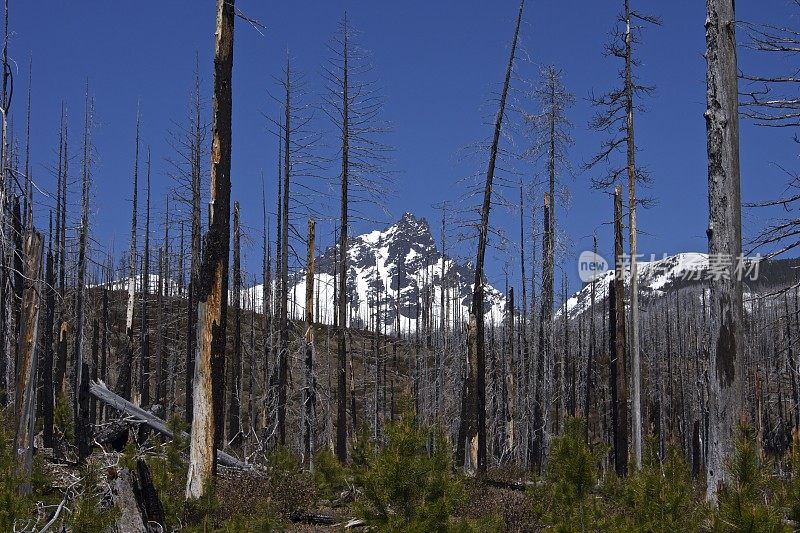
(391, 272)
(658, 276)
(655, 278)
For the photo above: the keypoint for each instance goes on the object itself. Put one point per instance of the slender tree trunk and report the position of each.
(82, 428)
(726, 358)
(542, 404)
(48, 401)
(309, 385)
(636, 378)
(341, 383)
(590, 358)
(619, 382)
(235, 389)
(124, 382)
(61, 238)
(483, 236)
(283, 348)
(144, 363)
(19, 283)
(212, 301)
(266, 310)
(194, 262)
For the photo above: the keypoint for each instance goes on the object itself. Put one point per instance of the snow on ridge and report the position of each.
(404, 252)
(655, 276)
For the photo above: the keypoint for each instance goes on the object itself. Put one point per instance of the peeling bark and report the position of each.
(209, 369)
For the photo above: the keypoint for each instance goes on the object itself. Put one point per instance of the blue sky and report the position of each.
(439, 64)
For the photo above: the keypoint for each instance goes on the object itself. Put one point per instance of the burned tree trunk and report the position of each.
(82, 428)
(235, 388)
(309, 385)
(48, 402)
(27, 368)
(483, 237)
(124, 381)
(341, 383)
(617, 347)
(194, 262)
(283, 348)
(541, 415)
(636, 378)
(144, 363)
(212, 301)
(726, 358)
(61, 238)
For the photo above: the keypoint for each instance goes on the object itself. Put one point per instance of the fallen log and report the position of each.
(316, 519)
(99, 390)
(122, 493)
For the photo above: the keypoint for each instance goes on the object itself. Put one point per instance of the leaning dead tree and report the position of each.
(477, 309)
(616, 118)
(726, 347)
(212, 298)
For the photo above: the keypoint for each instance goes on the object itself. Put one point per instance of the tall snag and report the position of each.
(618, 347)
(309, 381)
(617, 117)
(235, 385)
(212, 301)
(48, 402)
(353, 104)
(124, 381)
(726, 358)
(81, 404)
(341, 372)
(196, 135)
(144, 322)
(483, 235)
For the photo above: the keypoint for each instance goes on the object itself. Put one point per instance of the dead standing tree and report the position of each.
(235, 384)
(27, 369)
(188, 142)
(82, 367)
(477, 309)
(726, 348)
(124, 386)
(295, 196)
(617, 118)
(618, 346)
(551, 129)
(212, 301)
(309, 381)
(353, 104)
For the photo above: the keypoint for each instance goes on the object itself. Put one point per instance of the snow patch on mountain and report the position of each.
(397, 275)
(655, 277)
